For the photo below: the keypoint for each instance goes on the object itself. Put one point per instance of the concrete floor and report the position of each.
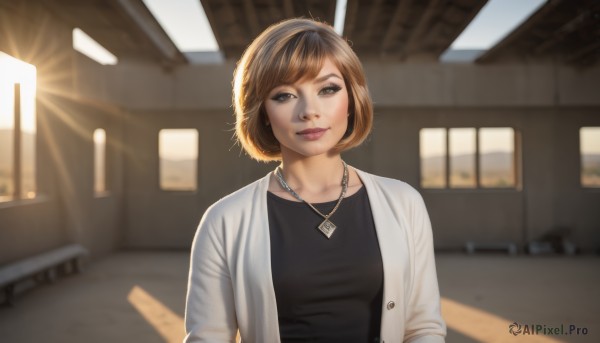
(139, 297)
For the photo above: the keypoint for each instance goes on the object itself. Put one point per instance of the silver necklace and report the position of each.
(326, 227)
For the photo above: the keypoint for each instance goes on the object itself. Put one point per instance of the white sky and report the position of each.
(432, 142)
(340, 16)
(89, 47)
(185, 22)
(495, 20)
(178, 144)
(590, 140)
(501, 139)
(462, 141)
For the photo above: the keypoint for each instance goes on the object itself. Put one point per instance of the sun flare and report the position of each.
(15, 71)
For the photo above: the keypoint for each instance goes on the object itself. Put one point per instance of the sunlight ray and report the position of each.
(49, 60)
(38, 44)
(119, 145)
(65, 117)
(166, 322)
(63, 174)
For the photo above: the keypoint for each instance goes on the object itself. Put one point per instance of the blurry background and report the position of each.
(116, 134)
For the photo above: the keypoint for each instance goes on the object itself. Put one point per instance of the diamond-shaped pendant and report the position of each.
(327, 228)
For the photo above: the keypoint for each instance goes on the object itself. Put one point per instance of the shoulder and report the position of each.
(235, 203)
(405, 202)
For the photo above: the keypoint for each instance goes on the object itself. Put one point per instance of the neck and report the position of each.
(316, 174)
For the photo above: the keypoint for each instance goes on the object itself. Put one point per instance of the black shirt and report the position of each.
(327, 290)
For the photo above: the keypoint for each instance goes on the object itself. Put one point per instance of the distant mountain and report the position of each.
(496, 170)
(492, 161)
(590, 174)
(496, 160)
(178, 174)
(6, 148)
(591, 160)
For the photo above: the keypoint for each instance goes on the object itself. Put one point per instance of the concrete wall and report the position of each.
(65, 209)
(545, 104)
(94, 220)
(168, 219)
(146, 86)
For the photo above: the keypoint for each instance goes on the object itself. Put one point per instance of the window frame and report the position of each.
(17, 158)
(516, 161)
(580, 164)
(106, 191)
(197, 164)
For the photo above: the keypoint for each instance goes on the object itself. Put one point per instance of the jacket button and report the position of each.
(391, 305)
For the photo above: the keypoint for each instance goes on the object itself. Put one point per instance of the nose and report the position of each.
(308, 115)
(308, 110)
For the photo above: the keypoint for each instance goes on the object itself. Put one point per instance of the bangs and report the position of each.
(300, 57)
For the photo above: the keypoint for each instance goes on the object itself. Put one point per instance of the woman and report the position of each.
(316, 251)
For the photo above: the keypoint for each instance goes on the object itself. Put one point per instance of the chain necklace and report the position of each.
(326, 227)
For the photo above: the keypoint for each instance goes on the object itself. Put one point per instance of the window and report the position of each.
(495, 21)
(461, 143)
(433, 158)
(468, 158)
(92, 49)
(178, 156)
(17, 129)
(179, 19)
(99, 161)
(497, 158)
(589, 147)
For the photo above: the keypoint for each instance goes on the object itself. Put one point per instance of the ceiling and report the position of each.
(563, 30)
(236, 22)
(399, 30)
(420, 30)
(124, 27)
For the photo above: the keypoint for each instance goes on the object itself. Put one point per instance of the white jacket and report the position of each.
(230, 284)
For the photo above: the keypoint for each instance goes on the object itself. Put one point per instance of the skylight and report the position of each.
(185, 22)
(340, 16)
(496, 20)
(92, 49)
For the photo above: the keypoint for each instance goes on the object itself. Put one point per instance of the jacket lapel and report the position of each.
(394, 252)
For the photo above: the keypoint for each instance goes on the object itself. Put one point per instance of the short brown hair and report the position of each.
(284, 53)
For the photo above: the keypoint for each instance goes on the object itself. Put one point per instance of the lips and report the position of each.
(312, 134)
(309, 131)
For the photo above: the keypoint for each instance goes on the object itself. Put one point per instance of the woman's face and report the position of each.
(309, 117)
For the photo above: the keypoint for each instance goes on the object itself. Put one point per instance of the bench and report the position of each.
(46, 264)
(509, 247)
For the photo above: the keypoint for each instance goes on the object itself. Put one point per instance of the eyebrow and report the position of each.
(325, 77)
